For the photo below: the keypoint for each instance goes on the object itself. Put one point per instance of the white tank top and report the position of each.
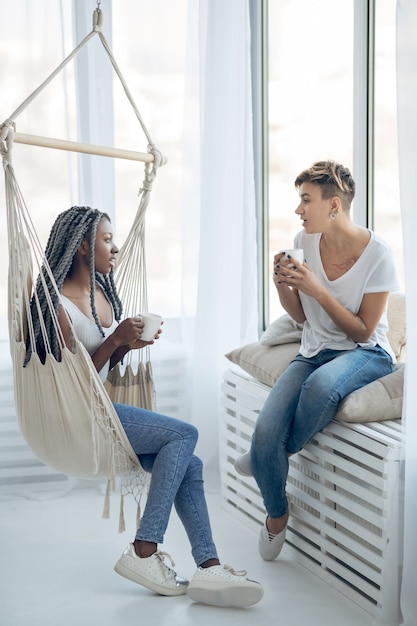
(87, 332)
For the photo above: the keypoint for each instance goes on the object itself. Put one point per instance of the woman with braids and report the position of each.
(82, 254)
(339, 294)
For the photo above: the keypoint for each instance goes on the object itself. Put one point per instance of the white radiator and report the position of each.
(169, 366)
(343, 490)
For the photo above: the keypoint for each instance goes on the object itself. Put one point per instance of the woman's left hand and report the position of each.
(139, 343)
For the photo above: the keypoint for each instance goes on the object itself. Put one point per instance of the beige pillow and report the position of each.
(265, 363)
(396, 322)
(380, 400)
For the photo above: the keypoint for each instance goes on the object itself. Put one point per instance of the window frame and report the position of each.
(363, 126)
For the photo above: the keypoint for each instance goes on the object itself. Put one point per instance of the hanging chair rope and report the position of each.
(132, 291)
(65, 414)
(155, 155)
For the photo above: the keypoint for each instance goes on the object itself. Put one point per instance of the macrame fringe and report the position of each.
(122, 525)
(138, 515)
(106, 508)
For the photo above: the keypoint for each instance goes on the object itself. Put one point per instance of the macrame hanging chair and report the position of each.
(65, 413)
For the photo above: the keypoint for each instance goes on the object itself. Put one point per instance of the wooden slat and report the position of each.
(342, 489)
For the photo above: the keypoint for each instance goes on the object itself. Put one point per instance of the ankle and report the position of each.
(210, 563)
(144, 549)
(275, 525)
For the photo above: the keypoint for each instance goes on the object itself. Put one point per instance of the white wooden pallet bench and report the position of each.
(343, 490)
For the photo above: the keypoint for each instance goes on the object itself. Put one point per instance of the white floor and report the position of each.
(56, 568)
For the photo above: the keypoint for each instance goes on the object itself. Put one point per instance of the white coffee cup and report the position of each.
(294, 253)
(152, 324)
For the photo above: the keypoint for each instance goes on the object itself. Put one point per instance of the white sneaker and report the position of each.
(221, 585)
(151, 572)
(243, 465)
(270, 545)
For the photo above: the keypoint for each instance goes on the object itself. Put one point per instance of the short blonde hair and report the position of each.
(333, 178)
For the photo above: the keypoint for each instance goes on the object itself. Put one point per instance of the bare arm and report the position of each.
(361, 326)
(125, 337)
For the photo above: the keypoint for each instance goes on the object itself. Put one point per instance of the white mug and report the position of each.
(152, 324)
(296, 253)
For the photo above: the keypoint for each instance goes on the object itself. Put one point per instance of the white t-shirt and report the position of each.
(87, 332)
(373, 272)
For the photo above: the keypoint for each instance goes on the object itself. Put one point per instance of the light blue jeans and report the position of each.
(165, 448)
(302, 402)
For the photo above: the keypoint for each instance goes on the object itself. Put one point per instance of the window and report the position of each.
(317, 107)
(386, 213)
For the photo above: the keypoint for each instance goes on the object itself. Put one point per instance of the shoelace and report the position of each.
(271, 537)
(166, 570)
(230, 569)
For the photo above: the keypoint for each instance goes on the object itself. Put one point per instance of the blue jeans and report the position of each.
(165, 448)
(302, 402)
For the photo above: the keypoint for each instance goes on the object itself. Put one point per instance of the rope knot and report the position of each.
(5, 127)
(146, 186)
(97, 20)
(158, 157)
(6, 141)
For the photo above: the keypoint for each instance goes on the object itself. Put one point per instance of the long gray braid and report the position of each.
(70, 228)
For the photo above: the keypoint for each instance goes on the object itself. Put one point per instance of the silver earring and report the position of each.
(332, 216)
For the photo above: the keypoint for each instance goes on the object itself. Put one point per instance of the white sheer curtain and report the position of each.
(94, 91)
(219, 244)
(218, 201)
(407, 137)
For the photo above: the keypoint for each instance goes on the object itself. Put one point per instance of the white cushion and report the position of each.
(282, 330)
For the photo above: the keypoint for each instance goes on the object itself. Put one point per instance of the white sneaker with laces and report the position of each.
(151, 572)
(221, 585)
(243, 464)
(270, 545)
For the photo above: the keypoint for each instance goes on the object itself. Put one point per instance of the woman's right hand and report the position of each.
(129, 331)
(287, 292)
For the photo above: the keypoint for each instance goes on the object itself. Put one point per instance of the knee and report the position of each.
(195, 468)
(317, 388)
(262, 445)
(269, 438)
(191, 433)
(264, 433)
